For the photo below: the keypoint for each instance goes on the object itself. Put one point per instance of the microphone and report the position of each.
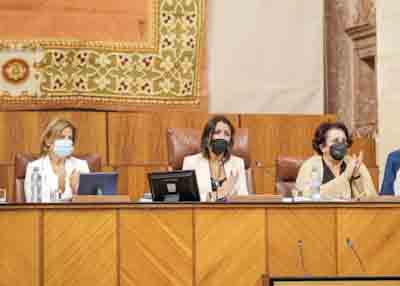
(300, 263)
(350, 245)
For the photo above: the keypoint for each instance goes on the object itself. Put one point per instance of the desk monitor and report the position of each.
(176, 186)
(98, 183)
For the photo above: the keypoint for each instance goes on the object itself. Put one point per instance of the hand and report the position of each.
(353, 168)
(359, 161)
(234, 175)
(228, 186)
(61, 180)
(74, 181)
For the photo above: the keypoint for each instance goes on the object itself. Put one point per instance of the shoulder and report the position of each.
(235, 160)
(315, 159)
(36, 163)
(194, 158)
(394, 156)
(78, 162)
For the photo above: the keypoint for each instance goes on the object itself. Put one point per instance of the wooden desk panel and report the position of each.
(19, 248)
(230, 246)
(80, 247)
(310, 231)
(157, 247)
(375, 236)
(193, 244)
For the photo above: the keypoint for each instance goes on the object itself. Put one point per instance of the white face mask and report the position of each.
(63, 147)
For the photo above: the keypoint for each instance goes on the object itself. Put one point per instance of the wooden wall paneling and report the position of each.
(234, 118)
(138, 138)
(141, 137)
(133, 181)
(295, 231)
(264, 133)
(19, 133)
(158, 247)
(374, 172)
(230, 246)
(264, 180)
(19, 247)
(7, 180)
(91, 130)
(368, 146)
(274, 135)
(80, 247)
(375, 236)
(297, 132)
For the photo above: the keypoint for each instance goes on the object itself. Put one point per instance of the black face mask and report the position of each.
(218, 146)
(338, 151)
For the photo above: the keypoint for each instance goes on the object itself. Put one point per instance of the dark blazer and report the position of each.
(392, 166)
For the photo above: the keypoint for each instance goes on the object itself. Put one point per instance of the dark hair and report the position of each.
(322, 131)
(209, 130)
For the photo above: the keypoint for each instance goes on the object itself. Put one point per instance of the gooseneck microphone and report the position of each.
(300, 263)
(350, 245)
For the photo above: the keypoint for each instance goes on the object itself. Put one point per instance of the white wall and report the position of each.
(266, 56)
(388, 70)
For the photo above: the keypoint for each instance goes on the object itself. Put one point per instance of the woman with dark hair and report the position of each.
(340, 176)
(217, 170)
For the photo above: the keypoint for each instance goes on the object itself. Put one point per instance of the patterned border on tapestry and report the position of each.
(110, 76)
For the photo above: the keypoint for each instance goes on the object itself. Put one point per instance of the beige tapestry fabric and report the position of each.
(266, 56)
(100, 54)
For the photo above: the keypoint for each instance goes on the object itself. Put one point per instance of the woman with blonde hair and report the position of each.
(58, 169)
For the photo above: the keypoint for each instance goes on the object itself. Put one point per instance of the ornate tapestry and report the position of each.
(81, 54)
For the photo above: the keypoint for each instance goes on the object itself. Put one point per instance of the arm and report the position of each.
(339, 188)
(241, 184)
(85, 167)
(389, 177)
(363, 186)
(187, 164)
(81, 167)
(27, 183)
(303, 177)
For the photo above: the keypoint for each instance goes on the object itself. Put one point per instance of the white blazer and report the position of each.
(201, 166)
(50, 179)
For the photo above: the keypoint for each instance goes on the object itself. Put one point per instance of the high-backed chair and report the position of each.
(183, 142)
(22, 160)
(287, 169)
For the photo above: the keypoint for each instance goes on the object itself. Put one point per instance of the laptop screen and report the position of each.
(100, 183)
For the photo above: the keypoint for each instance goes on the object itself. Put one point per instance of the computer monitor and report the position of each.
(175, 186)
(100, 183)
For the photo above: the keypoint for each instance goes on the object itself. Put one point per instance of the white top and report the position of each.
(396, 184)
(202, 169)
(50, 179)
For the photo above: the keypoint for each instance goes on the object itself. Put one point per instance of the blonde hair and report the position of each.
(54, 129)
